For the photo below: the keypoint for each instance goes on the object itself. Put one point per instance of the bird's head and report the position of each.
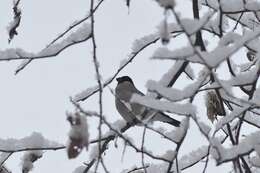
(124, 79)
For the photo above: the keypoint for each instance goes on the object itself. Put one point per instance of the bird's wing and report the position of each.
(138, 110)
(124, 109)
(127, 105)
(160, 116)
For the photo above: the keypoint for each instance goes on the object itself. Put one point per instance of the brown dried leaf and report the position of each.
(74, 148)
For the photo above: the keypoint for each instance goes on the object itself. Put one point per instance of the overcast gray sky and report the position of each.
(38, 97)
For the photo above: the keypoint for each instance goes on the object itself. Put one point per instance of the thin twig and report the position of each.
(142, 148)
(98, 76)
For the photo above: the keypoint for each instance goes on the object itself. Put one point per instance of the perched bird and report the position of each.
(134, 113)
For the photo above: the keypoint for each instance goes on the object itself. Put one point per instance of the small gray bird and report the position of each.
(134, 113)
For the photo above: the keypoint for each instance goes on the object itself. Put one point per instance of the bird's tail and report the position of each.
(167, 119)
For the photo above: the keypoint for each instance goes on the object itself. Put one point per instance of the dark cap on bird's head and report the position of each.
(124, 79)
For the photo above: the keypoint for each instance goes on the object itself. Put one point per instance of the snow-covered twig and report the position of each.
(175, 95)
(181, 135)
(80, 35)
(73, 25)
(33, 142)
(245, 147)
(164, 106)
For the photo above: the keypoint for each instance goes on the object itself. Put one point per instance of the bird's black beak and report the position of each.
(118, 79)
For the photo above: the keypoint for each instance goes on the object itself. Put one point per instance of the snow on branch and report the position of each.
(186, 161)
(252, 119)
(192, 158)
(90, 91)
(80, 35)
(239, 101)
(197, 24)
(140, 43)
(234, 6)
(195, 156)
(178, 134)
(73, 25)
(241, 79)
(33, 142)
(167, 78)
(190, 72)
(177, 94)
(181, 109)
(184, 54)
(247, 145)
(170, 77)
(212, 58)
(143, 42)
(236, 113)
(237, 11)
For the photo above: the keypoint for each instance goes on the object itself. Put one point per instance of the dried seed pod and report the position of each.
(213, 105)
(250, 55)
(74, 147)
(78, 135)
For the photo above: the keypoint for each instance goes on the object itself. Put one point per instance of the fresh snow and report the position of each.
(181, 109)
(35, 140)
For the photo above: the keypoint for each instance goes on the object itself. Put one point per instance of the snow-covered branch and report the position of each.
(80, 35)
